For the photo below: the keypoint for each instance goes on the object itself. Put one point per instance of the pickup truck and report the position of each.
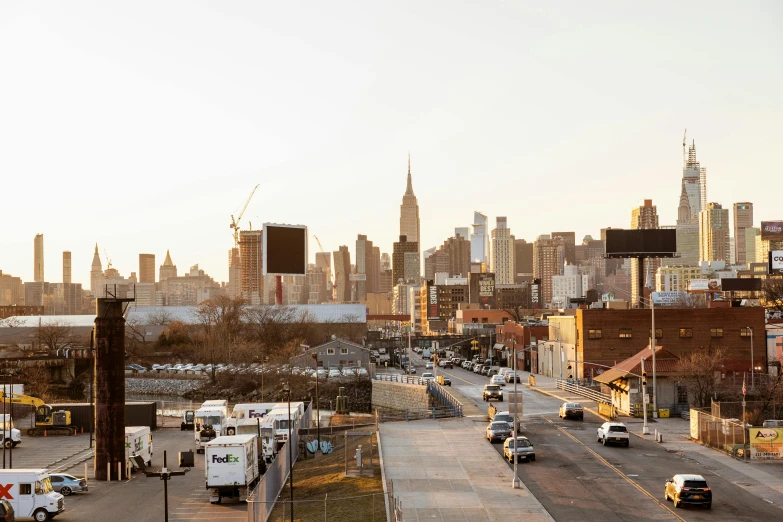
(492, 391)
(614, 433)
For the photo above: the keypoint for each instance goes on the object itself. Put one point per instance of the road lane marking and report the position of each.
(613, 468)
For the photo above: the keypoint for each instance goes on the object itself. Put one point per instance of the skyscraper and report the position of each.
(569, 245)
(693, 193)
(502, 252)
(523, 261)
(96, 274)
(67, 267)
(251, 247)
(342, 270)
(643, 217)
(548, 257)
(167, 269)
(404, 259)
(38, 259)
(368, 264)
(479, 240)
(323, 260)
(409, 211)
(146, 268)
(714, 233)
(743, 218)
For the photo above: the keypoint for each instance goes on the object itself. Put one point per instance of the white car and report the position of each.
(427, 376)
(334, 372)
(614, 433)
(497, 379)
(428, 366)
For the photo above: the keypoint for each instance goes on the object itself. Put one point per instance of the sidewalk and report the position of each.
(761, 478)
(446, 471)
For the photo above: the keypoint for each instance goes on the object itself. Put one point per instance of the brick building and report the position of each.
(511, 336)
(607, 337)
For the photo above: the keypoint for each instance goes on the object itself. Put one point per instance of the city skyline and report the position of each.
(604, 133)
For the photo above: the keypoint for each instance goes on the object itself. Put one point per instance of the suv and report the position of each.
(492, 391)
(688, 489)
(524, 449)
(498, 431)
(614, 433)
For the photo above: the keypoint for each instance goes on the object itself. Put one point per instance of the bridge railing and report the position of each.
(399, 377)
(448, 400)
(584, 391)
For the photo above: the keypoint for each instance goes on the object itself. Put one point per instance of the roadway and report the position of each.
(575, 478)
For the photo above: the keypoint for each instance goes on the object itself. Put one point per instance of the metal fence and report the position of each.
(725, 435)
(399, 377)
(414, 414)
(584, 391)
(372, 509)
(261, 500)
(756, 412)
(446, 399)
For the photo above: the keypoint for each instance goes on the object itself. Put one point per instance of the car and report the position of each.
(456, 360)
(477, 368)
(411, 369)
(7, 511)
(485, 370)
(498, 431)
(492, 391)
(507, 417)
(428, 366)
(466, 365)
(511, 377)
(571, 409)
(427, 376)
(614, 433)
(334, 372)
(446, 364)
(497, 379)
(688, 489)
(65, 484)
(446, 381)
(492, 371)
(524, 449)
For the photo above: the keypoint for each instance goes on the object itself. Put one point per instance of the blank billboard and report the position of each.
(644, 242)
(285, 249)
(749, 284)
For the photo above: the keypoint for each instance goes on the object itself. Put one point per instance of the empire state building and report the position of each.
(409, 212)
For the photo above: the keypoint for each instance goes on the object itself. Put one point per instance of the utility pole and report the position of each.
(515, 483)
(655, 394)
(645, 399)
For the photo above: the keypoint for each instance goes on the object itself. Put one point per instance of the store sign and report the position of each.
(766, 443)
(432, 303)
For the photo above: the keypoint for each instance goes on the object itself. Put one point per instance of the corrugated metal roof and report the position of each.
(31, 321)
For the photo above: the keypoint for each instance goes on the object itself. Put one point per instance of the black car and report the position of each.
(7, 511)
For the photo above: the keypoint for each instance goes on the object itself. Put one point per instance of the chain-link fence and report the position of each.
(726, 435)
(366, 508)
(756, 412)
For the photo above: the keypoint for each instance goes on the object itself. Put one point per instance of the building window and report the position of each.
(686, 333)
(330, 351)
(593, 334)
(626, 333)
(342, 363)
(745, 332)
(716, 332)
(484, 320)
(474, 320)
(682, 394)
(658, 333)
(343, 351)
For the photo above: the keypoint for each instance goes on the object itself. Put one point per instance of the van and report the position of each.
(772, 424)
(30, 493)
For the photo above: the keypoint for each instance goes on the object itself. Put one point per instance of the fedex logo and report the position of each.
(253, 414)
(228, 459)
(5, 491)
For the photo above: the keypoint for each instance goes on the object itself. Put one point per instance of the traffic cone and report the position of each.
(44, 433)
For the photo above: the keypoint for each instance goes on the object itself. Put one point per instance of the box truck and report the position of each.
(138, 443)
(247, 411)
(264, 428)
(210, 422)
(11, 436)
(30, 493)
(231, 464)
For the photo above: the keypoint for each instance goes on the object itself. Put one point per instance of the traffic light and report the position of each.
(644, 379)
(569, 367)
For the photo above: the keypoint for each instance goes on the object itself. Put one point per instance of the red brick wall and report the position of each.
(611, 349)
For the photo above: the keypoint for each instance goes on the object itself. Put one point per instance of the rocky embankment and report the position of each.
(160, 386)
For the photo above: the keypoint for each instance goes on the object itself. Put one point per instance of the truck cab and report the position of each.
(11, 436)
(210, 421)
(30, 493)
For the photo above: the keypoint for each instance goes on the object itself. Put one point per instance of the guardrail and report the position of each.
(583, 391)
(445, 398)
(415, 414)
(399, 377)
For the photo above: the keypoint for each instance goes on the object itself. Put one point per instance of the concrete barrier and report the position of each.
(399, 396)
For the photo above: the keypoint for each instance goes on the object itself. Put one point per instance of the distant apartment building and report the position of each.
(676, 278)
(743, 218)
(523, 261)
(191, 289)
(714, 233)
(479, 239)
(405, 261)
(439, 302)
(342, 272)
(251, 252)
(687, 237)
(234, 273)
(368, 267)
(401, 304)
(167, 269)
(569, 246)
(38, 259)
(146, 268)
(764, 246)
(502, 255)
(67, 267)
(643, 217)
(386, 282)
(11, 290)
(316, 283)
(567, 286)
(548, 257)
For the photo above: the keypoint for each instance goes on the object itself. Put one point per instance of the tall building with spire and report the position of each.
(96, 273)
(409, 212)
(167, 269)
(479, 239)
(693, 195)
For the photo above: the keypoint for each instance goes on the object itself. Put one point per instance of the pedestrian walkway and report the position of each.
(762, 478)
(446, 470)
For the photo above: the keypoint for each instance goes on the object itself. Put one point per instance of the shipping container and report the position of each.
(136, 414)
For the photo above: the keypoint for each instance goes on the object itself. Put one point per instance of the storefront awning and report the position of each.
(500, 346)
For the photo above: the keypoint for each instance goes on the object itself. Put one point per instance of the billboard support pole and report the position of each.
(641, 281)
(279, 290)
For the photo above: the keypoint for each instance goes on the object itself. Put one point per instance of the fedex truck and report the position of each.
(280, 414)
(264, 428)
(231, 464)
(247, 411)
(210, 422)
(30, 493)
(138, 443)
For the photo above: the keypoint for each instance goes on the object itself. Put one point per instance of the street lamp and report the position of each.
(287, 389)
(515, 483)
(752, 362)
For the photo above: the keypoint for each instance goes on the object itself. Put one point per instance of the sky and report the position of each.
(144, 126)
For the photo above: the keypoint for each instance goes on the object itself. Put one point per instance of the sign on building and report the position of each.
(432, 303)
(704, 285)
(771, 230)
(667, 298)
(776, 262)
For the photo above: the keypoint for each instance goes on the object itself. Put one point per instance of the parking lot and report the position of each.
(139, 498)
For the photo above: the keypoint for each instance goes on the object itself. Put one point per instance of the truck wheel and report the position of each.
(41, 515)
(230, 431)
(8, 443)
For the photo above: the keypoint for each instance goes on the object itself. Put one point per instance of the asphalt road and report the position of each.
(576, 478)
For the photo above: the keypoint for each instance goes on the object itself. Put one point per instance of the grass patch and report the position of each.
(314, 479)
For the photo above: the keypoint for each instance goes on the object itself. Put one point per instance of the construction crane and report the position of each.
(319, 243)
(47, 421)
(108, 260)
(235, 227)
(684, 149)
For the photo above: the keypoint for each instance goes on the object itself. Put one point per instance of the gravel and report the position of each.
(160, 386)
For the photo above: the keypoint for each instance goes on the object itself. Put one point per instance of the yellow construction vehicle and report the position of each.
(47, 420)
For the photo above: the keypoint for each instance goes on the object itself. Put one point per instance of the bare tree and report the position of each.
(54, 335)
(135, 335)
(10, 322)
(688, 300)
(37, 382)
(700, 372)
(221, 322)
(160, 317)
(772, 293)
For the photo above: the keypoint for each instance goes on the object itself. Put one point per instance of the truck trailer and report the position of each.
(231, 464)
(138, 443)
(247, 411)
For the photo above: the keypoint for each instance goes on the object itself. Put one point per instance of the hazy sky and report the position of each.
(145, 127)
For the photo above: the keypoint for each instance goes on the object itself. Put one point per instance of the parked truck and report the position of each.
(264, 428)
(247, 411)
(231, 464)
(210, 421)
(11, 436)
(138, 443)
(30, 493)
